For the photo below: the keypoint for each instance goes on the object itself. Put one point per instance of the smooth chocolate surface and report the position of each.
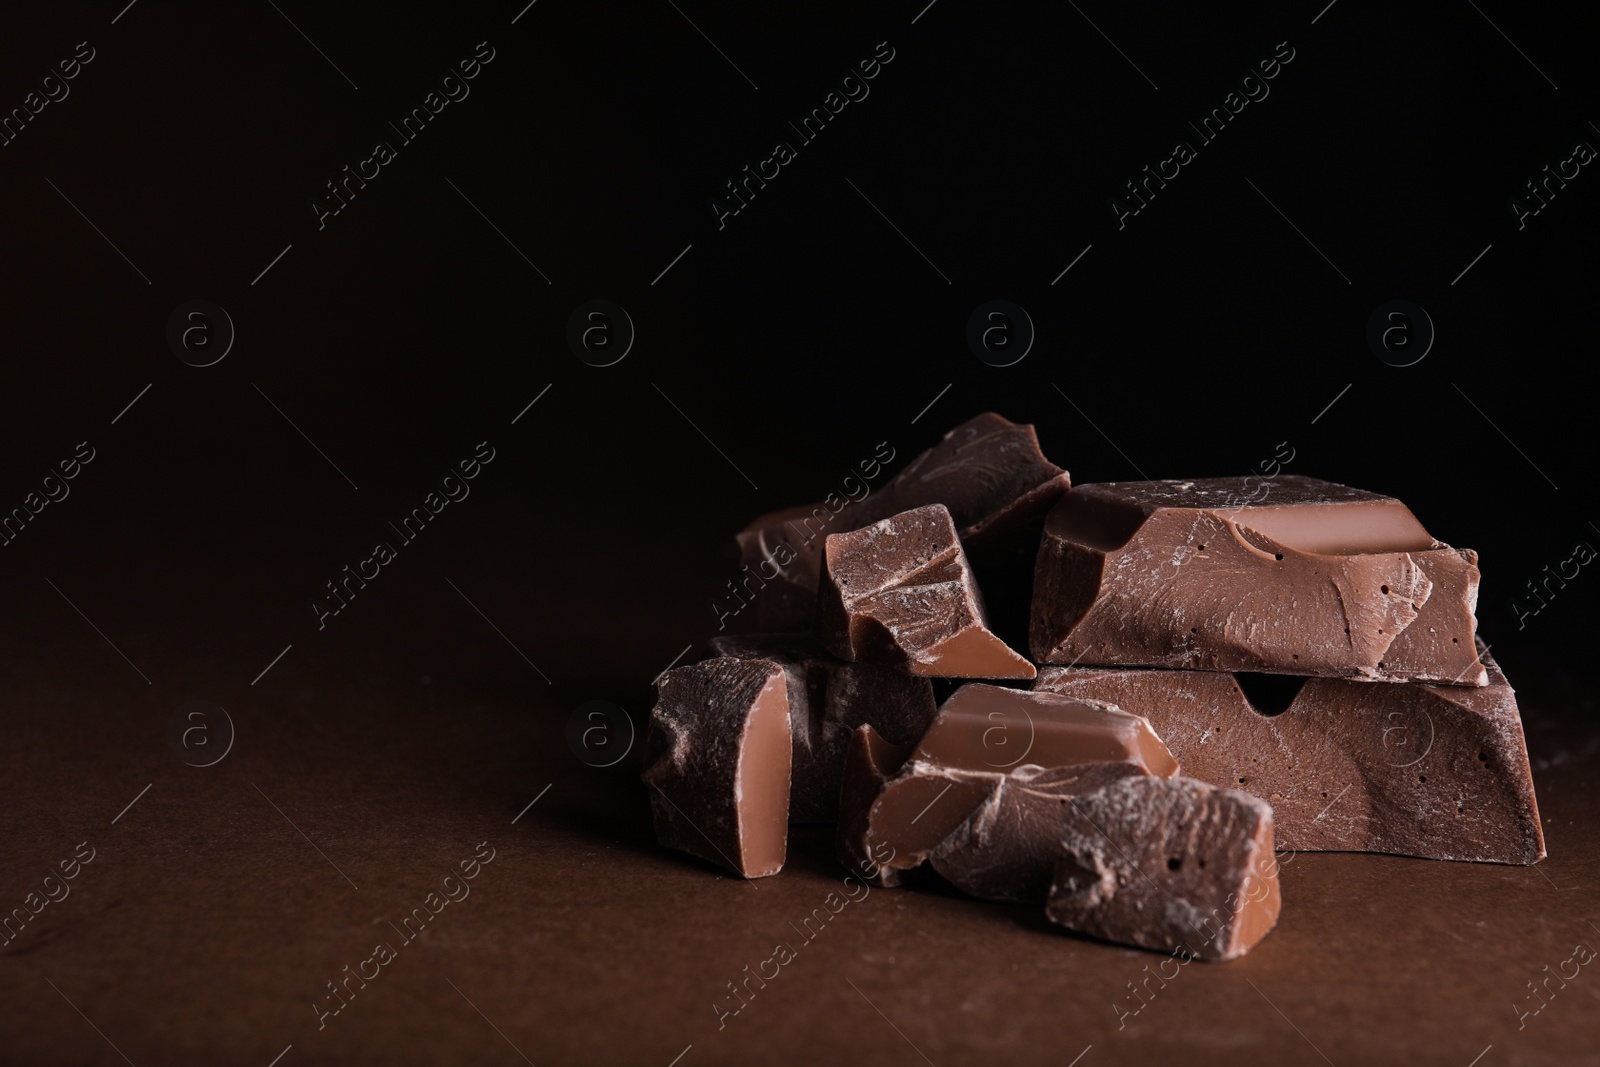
(1291, 575)
(717, 763)
(828, 699)
(988, 471)
(985, 733)
(870, 762)
(900, 593)
(1416, 769)
(1170, 864)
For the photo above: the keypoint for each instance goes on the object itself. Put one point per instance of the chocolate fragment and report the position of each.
(1424, 770)
(1292, 575)
(717, 763)
(870, 762)
(988, 471)
(985, 733)
(900, 593)
(1169, 864)
(1007, 848)
(828, 699)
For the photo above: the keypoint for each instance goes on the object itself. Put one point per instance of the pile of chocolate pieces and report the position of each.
(1304, 652)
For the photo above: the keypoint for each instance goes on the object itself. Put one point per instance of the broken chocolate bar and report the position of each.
(1169, 864)
(1292, 576)
(828, 699)
(899, 593)
(985, 733)
(988, 471)
(1007, 848)
(1424, 770)
(869, 763)
(717, 763)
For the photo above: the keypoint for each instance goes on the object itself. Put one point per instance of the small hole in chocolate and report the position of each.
(1385, 589)
(1202, 548)
(1241, 781)
(1277, 555)
(1422, 777)
(1174, 863)
(1269, 694)
(1484, 756)
(1202, 863)
(1455, 640)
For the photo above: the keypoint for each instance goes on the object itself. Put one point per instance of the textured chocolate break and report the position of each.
(828, 699)
(717, 763)
(1424, 770)
(988, 471)
(1293, 576)
(986, 733)
(900, 593)
(1007, 848)
(1169, 864)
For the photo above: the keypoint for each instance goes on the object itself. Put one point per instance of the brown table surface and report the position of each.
(377, 755)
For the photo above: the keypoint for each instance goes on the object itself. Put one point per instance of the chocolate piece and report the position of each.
(780, 555)
(828, 699)
(899, 593)
(1007, 848)
(1169, 864)
(1295, 576)
(1421, 770)
(988, 471)
(869, 763)
(985, 733)
(717, 763)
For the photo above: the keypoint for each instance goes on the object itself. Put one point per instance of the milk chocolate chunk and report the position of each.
(717, 763)
(828, 699)
(870, 762)
(985, 733)
(1292, 575)
(899, 593)
(988, 471)
(1436, 771)
(1168, 864)
(1007, 848)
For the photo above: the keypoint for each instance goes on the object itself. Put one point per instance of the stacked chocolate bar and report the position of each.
(1304, 651)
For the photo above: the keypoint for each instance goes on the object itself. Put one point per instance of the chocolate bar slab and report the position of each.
(717, 763)
(1169, 864)
(1007, 848)
(870, 762)
(1424, 770)
(985, 733)
(828, 699)
(988, 471)
(1292, 575)
(899, 593)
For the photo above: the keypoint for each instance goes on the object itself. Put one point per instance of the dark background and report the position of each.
(796, 338)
